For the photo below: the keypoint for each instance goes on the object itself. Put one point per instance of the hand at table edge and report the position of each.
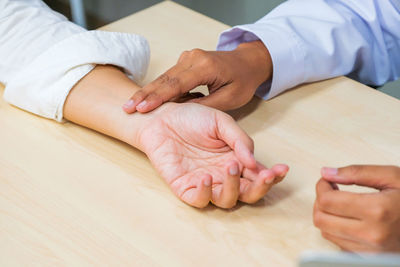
(360, 222)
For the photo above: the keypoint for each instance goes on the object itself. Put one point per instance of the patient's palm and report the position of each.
(183, 146)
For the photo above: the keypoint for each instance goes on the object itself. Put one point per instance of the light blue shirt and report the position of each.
(311, 40)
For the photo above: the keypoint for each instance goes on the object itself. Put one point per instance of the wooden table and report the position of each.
(71, 197)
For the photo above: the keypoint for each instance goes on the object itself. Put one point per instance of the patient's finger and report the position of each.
(253, 186)
(237, 139)
(280, 171)
(258, 181)
(226, 196)
(200, 195)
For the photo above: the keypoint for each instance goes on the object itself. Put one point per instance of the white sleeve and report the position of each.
(311, 40)
(43, 55)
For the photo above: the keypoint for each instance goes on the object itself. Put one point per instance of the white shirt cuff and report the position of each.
(286, 52)
(42, 86)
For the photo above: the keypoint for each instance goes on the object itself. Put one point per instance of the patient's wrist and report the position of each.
(95, 102)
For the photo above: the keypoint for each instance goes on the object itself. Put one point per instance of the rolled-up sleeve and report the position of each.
(319, 39)
(43, 55)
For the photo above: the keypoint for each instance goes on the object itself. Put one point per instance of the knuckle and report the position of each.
(381, 211)
(174, 83)
(163, 78)
(139, 95)
(378, 236)
(318, 219)
(185, 54)
(317, 186)
(153, 96)
(325, 235)
(207, 61)
(397, 171)
(324, 201)
(197, 52)
(394, 171)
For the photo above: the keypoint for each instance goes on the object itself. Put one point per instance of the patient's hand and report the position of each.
(202, 154)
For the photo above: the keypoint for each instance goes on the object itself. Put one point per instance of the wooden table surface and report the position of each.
(72, 197)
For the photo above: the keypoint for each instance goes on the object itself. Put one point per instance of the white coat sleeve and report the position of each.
(311, 40)
(43, 55)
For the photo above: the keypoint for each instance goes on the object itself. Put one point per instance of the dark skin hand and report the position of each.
(232, 78)
(362, 222)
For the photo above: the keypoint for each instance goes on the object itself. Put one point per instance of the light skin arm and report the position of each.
(200, 152)
(106, 86)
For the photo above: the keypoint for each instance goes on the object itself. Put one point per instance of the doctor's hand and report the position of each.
(232, 78)
(360, 221)
(203, 155)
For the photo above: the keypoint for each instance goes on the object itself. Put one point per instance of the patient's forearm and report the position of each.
(95, 102)
(200, 152)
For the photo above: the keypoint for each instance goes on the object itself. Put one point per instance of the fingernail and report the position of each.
(329, 172)
(141, 104)
(234, 170)
(207, 182)
(129, 104)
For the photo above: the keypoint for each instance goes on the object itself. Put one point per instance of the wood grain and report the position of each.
(72, 197)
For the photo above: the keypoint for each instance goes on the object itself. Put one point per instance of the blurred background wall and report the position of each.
(231, 12)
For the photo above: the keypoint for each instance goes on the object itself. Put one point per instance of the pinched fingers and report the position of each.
(375, 176)
(195, 191)
(253, 190)
(237, 139)
(258, 181)
(340, 226)
(280, 171)
(342, 203)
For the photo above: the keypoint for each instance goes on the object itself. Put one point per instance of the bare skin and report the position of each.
(232, 78)
(355, 222)
(201, 153)
(368, 222)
